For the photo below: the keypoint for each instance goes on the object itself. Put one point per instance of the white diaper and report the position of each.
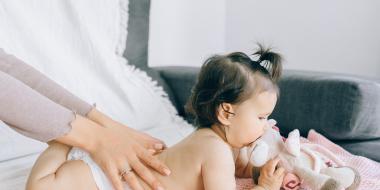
(99, 176)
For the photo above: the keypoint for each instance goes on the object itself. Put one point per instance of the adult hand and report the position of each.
(121, 149)
(117, 149)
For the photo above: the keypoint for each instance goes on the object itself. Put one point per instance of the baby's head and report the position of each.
(236, 94)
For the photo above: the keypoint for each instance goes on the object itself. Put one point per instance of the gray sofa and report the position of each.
(344, 108)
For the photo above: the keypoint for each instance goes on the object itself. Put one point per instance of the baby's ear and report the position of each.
(225, 112)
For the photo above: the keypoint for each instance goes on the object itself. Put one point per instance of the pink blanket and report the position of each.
(368, 169)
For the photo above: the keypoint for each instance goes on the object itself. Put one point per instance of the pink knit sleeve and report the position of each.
(39, 82)
(31, 113)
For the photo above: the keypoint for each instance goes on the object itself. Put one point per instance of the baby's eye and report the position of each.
(262, 118)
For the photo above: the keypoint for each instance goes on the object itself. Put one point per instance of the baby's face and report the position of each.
(250, 119)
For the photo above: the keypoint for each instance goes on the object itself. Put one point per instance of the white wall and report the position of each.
(321, 35)
(185, 32)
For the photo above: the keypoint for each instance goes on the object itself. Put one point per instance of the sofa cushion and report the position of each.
(341, 107)
(366, 148)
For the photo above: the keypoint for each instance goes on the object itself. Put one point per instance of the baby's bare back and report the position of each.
(185, 161)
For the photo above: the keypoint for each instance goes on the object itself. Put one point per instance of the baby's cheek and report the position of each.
(250, 129)
(254, 134)
(258, 126)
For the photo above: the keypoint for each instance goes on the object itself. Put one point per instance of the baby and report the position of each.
(231, 102)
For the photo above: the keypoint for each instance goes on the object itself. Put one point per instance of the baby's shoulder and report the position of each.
(211, 145)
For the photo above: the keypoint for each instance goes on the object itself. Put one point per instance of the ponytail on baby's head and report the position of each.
(270, 61)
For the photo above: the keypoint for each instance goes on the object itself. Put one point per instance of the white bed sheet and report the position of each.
(14, 172)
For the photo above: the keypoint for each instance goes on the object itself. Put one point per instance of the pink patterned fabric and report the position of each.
(244, 184)
(368, 169)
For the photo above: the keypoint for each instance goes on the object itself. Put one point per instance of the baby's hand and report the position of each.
(271, 177)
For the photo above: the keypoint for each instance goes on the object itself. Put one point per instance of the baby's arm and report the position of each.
(270, 177)
(218, 169)
(53, 171)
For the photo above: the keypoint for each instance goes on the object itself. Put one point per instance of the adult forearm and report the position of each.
(84, 134)
(99, 117)
(41, 83)
(38, 107)
(31, 113)
(36, 116)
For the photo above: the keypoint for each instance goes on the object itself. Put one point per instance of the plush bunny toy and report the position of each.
(310, 166)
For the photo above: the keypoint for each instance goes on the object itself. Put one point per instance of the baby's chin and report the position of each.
(253, 142)
(242, 146)
(250, 143)
(237, 145)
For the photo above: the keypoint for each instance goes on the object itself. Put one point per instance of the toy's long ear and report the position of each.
(292, 143)
(260, 155)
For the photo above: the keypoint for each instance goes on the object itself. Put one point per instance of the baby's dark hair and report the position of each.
(232, 78)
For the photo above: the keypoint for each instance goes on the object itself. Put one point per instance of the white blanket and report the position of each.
(79, 44)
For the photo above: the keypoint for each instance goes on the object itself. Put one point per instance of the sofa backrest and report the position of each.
(341, 107)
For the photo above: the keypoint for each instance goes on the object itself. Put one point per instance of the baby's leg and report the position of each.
(53, 171)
